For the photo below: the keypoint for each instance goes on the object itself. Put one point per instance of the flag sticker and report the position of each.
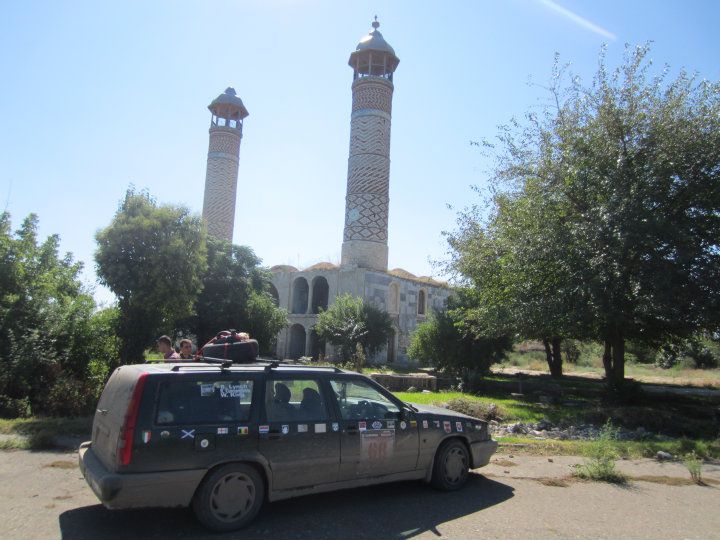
(320, 428)
(146, 436)
(264, 429)
(362, 426)
(302, 428)
(222, 431)
(187, 434)
(242, 430)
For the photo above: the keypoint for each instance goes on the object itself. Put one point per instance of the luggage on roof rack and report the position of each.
(230, 345)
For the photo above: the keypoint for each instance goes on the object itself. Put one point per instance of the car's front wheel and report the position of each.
(451, 467)
(229, 497)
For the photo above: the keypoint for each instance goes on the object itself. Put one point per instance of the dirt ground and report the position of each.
(43, 495)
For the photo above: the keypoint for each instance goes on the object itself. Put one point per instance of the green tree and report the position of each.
(622, 181)
(46, 324)
(445, 340)
(234, 295)
(153, 258)
(349, 322)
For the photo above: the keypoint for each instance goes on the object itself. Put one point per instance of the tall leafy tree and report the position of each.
(234, 295)
(622, 177)
(153, 258)
(350, 322)
(46, 323)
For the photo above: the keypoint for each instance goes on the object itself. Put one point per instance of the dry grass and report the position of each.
(673, 480)
(555, 482)
(62, 465)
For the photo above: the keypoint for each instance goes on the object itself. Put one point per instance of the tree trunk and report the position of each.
(607, 360)
(614, 360)
(618, 361)
(553, 356)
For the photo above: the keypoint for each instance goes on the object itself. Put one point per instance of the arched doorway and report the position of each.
(297, 341)
(317, 346)
(300, 296)
(320, 294)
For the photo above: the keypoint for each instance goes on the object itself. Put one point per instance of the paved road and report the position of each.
(43, 495)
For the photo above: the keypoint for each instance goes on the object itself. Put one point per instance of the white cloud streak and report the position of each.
(577, 19)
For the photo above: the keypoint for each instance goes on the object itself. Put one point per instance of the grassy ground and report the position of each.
(40, 433)
(529, 356)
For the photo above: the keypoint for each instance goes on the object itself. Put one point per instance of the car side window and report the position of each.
(358, 400)
(184, 401)
(294, 400)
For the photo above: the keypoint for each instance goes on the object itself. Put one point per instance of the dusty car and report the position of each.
(226, 438)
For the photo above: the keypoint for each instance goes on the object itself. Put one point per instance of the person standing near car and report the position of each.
(164, 345)
(186, 349)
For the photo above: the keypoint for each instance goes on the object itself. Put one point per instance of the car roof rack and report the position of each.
(268, 365)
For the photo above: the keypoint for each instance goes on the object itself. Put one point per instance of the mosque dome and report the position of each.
(373, 55)
(375, 41)
(228, 105)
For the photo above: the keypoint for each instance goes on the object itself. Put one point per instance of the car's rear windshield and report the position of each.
(203, 401)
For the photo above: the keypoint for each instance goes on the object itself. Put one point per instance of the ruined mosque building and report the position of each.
(363, 270)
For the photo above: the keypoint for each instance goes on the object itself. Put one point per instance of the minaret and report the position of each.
(367, 199)
(228, 113)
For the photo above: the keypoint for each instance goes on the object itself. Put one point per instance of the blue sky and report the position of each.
(100, 95)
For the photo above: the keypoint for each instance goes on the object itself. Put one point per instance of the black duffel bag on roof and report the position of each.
(230, 345)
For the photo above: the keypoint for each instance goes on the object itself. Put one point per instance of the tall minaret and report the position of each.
(228, 113)
(368, 182)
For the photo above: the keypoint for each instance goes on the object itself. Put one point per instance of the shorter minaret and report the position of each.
(367, 201)
(226, 124)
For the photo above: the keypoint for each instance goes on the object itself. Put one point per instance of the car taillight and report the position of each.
(127, 432)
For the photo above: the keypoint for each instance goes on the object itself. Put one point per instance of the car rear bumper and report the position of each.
(166, 489)
(482, 451)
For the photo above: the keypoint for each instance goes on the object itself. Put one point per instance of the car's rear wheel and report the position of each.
(229, 497)
(451, 467)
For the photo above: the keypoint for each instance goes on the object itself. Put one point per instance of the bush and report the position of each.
(694, 467)
(572, 351)
(478, 409)
(601, 454)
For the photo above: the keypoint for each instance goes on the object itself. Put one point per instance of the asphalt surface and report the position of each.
(43, 495)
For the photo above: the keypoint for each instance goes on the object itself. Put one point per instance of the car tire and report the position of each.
(229, 497)
(451, 466)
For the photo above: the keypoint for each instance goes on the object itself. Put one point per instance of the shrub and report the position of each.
(478, 409)
(694, 467)
(601, 454)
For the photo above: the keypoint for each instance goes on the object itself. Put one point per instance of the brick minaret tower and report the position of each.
(228, 113)
(367, 199)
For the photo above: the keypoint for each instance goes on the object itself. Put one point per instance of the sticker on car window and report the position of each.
(207, 389)
(241, 390)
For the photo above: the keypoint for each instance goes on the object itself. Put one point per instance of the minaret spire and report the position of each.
(365, 237)
(223, 158)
